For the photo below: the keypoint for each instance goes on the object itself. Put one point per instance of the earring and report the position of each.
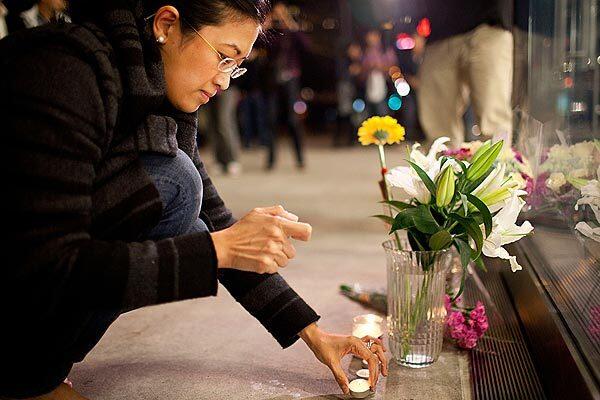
(161, 39)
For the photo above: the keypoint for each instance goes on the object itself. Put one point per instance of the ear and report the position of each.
(166, 20)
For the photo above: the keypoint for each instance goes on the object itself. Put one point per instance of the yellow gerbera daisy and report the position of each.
(380, 130)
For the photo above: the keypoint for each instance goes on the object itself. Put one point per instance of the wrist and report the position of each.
(311, 334)
(221, 249)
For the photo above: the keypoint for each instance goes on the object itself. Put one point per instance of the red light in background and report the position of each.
(424, 27)
(568, 82)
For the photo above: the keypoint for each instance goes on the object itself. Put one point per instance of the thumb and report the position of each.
(340, 376)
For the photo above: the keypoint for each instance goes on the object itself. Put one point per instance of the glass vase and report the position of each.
(416, 312)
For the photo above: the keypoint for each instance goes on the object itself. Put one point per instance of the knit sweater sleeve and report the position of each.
(268, 298)
(55, 129)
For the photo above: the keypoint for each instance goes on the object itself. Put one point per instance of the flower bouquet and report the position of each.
(438, 202)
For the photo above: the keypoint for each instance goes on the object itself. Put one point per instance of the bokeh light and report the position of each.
(358, 105)
(394, 102)
(300, 107)
(402, 87)
(307, 94)
(424, 28)
(405, 42)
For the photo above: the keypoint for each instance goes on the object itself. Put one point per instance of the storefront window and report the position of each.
(558, 136)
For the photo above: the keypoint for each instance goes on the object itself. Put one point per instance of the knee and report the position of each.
(189, 181)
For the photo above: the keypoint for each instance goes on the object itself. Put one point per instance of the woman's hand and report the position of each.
(260, 242)
(330, 349)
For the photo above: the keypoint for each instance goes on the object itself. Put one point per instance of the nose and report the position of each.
(222, 80)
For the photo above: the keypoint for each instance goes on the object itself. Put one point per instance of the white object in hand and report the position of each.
(359, 388)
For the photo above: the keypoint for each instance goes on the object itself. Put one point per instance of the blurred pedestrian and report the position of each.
(376, 62)
(348, 87)
(223, 129)
(253, 111)
(288, 44)
(468, 57)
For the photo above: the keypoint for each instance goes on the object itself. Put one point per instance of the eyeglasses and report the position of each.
(227, 64)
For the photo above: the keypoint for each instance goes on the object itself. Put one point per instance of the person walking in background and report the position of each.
(253, 109)
(376, 62)
(286, 53)
(469, 57)
(349, 69)
(223, 130)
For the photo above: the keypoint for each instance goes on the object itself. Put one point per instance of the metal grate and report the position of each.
(501, 365)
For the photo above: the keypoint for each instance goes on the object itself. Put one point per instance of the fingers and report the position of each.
(289, 250)
(367, 339)
(340, 376)
(360, 349)
(297, 230)
(379, 352)
(278, 211)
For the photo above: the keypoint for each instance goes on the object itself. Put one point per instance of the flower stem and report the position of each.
(386, 189)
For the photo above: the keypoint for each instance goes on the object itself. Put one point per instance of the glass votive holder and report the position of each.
(367, 325)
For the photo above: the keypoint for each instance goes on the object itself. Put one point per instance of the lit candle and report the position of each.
(367, 325)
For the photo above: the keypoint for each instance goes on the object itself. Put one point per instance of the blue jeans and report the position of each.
(180, 188)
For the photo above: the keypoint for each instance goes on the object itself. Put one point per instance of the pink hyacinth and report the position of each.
(459, 154)
(469, 340)
(466, 327)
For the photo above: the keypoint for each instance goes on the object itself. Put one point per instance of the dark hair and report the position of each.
(201, 13)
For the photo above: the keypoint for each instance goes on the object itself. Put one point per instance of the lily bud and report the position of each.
(484, 162)
(484, 147)
(445, 190)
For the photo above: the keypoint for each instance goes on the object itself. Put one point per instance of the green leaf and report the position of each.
(404, 219)
(479, 262)
(464, 250)
(424, 177)
(440, 240)
(485, 213)
(398, 205)
(424, 220)
(385, 218)
(415, 243)
(472, 230)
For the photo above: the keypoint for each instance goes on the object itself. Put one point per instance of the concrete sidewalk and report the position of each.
(212, 349)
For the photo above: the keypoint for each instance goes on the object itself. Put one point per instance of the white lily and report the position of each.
(496, 188)
(411, 186)
(505, 231)
(409, 182)
(427, 161)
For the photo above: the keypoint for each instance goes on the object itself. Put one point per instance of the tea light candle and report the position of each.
(359, 388)
(367, 325)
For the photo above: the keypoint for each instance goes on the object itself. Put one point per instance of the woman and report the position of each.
(110, 207)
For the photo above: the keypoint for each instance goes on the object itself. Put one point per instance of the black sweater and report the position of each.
(79, 102)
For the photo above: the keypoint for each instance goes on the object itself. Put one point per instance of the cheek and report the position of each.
(184, 79)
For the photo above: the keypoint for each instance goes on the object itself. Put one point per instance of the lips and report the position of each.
(205, 96)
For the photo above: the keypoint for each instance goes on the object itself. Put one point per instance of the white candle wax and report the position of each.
(367, 325)
(371, 329)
